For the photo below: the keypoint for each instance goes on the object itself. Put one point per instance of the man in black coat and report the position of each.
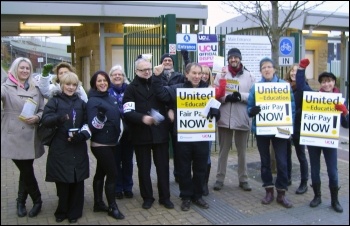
(150, 134)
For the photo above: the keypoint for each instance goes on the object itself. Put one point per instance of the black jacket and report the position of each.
(141, 93)
(111, 130)
(66, 161)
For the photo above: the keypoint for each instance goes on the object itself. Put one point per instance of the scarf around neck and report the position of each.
(14, 80)
(234, 71)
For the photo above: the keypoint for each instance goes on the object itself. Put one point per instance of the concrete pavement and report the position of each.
(231, 205)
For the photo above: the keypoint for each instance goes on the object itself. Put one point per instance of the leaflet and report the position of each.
(28, 109)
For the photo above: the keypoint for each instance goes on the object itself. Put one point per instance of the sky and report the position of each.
(217, 14)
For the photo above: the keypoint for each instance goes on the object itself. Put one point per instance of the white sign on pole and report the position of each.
(186, 42)
(40, 59)
(284, 61)
(253, 49)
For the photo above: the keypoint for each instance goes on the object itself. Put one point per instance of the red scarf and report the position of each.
(234, 71)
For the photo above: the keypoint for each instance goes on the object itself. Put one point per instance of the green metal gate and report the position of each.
(154, 37)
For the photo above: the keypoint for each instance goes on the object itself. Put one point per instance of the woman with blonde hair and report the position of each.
(68, 161)
(19, 140)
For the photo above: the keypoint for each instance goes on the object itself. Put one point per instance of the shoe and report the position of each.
(186, 205)
(245, 186)
(100, 207)
(119, 195)
(72, 221)
(128, 194)
(218, 185)
(167, 204)
(302, 187)
(147, 204)
(59, 220)
(201, 203)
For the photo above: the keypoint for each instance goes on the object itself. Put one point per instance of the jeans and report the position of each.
(280, 147)
(300, 151)
(331, 159)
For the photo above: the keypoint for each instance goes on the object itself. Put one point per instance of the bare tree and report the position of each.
(266, 15)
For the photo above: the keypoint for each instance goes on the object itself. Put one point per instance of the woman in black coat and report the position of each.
(68, 161)
(104, 122)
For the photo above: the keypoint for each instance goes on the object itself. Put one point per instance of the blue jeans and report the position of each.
(331, 159)
(300, 151)
(280, 147)
(124, 159)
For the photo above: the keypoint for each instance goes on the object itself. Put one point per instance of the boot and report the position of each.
(317, 198)
(113, 210)
(334, 197)
(35, 194)
(269, 196)
(302, 187)
(281, 199)
(206, 179)
(21, 200)
(99, 205)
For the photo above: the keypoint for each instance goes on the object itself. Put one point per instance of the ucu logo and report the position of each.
(329, 141)
(207, 48)
(206, 135)
(203, 38)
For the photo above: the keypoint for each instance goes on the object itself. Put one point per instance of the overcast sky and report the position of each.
(217, 15)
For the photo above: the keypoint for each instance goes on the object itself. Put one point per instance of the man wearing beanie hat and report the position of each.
(269, 75)
(171, 77)
(234, 118)
(327, 81)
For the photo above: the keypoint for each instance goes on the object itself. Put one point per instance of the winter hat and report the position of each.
(326, 74)
(165, 55)
(234, 52)
(266, 59)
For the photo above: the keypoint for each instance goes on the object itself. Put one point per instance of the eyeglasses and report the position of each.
(145, 70)
(267, 67)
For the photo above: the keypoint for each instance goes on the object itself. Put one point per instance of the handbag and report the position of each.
(45, 133)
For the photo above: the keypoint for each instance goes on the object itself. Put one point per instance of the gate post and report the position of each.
(170, 35)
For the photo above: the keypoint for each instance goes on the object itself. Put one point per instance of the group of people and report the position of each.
(114, 109)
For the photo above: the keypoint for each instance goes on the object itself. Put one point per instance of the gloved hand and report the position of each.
(101, 114)
(236, 97)
(304, 63)
(79, 137)
(229, 98)
(62, 118)
(214, 112)
(254, 111)
(47, 69)
(341, 107)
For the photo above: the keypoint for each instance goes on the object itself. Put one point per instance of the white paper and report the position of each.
(157, 116)
(28, 109)
(218, 64)
(283, 133)
(283, 136)
(212, 103)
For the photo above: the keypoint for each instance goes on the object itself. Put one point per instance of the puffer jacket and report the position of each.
(66, 161)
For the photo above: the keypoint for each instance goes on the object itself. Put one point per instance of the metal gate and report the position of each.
(153, 37)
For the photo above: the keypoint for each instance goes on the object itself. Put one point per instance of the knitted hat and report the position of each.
(266, 59)
(165, 55)
(326, 74)
(234, 52)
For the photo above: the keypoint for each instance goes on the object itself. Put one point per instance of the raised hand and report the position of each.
(47, 69)
(304, 63)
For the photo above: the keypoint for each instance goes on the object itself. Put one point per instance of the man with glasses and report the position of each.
(234, 120)
(150, 134)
